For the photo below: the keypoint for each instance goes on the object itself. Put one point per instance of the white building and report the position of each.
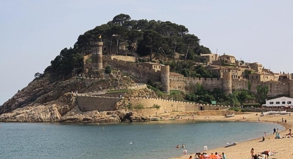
(279, 102)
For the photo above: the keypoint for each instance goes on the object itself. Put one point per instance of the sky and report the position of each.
(33, 32)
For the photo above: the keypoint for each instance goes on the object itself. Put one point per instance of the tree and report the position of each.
(151, 41)
(202, 50)
(38, 75)
(182, 30)
(142, 24)
(167, 28)
(120, 19)
(108, 70)
(262, 91)
(191, 42)
(133, 37)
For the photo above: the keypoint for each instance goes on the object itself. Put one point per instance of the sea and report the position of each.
(150, 140)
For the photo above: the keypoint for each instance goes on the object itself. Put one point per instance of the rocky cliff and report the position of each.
(45, 100)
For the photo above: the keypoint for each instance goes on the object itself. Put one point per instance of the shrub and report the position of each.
(108, 70)
(156, 106)
(129, 106)
(236, 109)
(139, 106)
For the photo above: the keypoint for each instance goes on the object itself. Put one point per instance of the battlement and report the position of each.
(175, 101)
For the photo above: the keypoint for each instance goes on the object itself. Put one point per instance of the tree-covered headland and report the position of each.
(155, 40)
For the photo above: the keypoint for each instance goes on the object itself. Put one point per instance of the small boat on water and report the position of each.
(232, 144)
(229, 115)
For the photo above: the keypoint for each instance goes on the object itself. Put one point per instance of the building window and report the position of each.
(271, 102)
(277, 102)
(283, 102)
(289, 102)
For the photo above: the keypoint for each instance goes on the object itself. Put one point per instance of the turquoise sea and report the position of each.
(121, 141)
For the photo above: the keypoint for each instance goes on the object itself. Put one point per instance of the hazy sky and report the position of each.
(33, 32)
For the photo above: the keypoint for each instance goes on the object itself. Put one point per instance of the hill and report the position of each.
(123, 54)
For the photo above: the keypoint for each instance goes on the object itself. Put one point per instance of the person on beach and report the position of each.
(201, 156)
(266, 153)
(190, 157)
(184, 152)
(274, 130)
(219, 156)
(183, 146)
(212, 156)
(252, 152)
(206, 156)
(278, 136)
(224, 155)
(289, 134)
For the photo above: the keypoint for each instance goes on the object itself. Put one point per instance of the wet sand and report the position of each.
(283, 146)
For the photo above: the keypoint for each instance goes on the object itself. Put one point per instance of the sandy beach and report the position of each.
(283, 146)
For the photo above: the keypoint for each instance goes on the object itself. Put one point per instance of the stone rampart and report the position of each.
(183, 83)
(171, 105)
(276, 88)
(142, 73)
(137, 87)
(89, 103)
(123, 58)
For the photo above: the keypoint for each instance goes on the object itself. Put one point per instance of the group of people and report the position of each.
(211, 156)
(265, 154)
(278, 136)
(182, 146)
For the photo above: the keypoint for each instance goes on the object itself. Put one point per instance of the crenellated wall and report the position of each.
(173, 81)
(141, 72)
(171, 105)
(183, 83)
(103, 103)
(123, 58)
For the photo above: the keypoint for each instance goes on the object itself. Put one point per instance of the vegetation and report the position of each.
(176, 95)
(156, 106)
(237, 98)
(188, 69)
(117, 91)
(152, 38)
(262, 92)
(108, 69)
(129, 106)
(139, 106)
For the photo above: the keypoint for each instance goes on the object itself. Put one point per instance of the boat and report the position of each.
(232, 144)
(229, 115)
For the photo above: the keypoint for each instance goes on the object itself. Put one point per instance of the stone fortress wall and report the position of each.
(136, 70)
(104, 103)
(171, 81)
(90, 103)
(179, 82)
(123, 58)
(276, 88)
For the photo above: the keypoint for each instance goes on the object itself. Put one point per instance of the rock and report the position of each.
(154, 119)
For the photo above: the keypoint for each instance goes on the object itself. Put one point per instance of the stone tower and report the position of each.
(97, 55)
(227, 82)
(291, 88)
(165, 78)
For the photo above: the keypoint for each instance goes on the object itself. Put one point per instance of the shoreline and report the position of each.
(242, 149)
